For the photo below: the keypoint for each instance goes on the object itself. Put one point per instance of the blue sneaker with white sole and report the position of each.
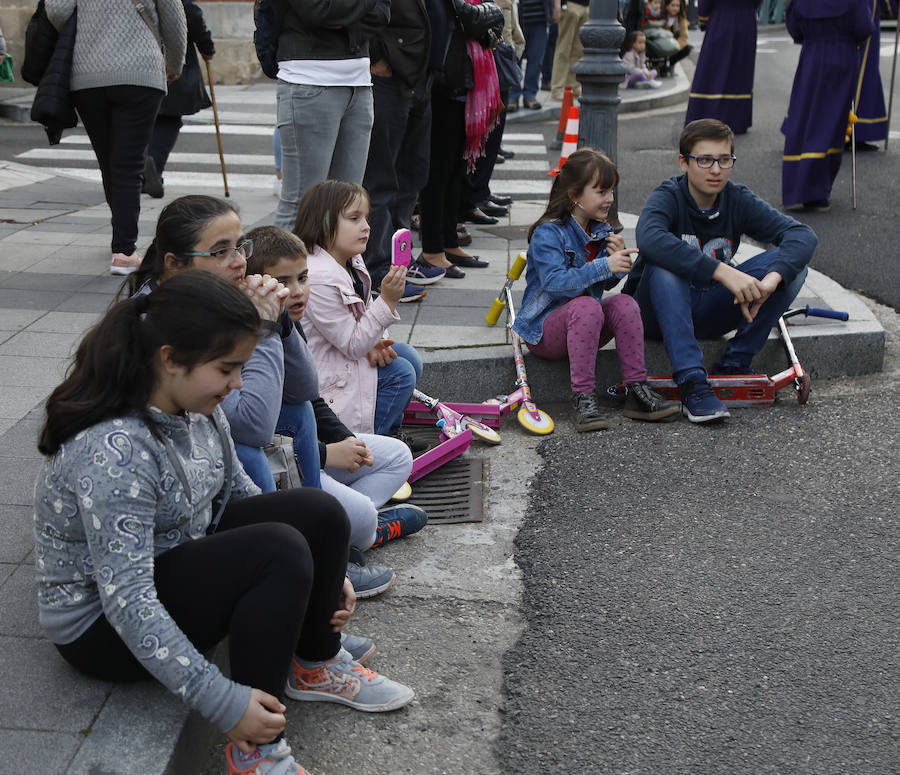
(412, 293)
(422, 273)
(398, 521)
(699, 402)
(360, 648)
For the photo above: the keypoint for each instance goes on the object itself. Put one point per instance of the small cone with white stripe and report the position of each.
(570, 141)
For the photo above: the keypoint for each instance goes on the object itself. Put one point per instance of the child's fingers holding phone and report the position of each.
(393, 284)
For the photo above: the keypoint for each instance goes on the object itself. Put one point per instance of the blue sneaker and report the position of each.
(399, 521)
(412, 293)
(268, 759)
(422, 273)
(360, 648)
(699, 403)
(368, 580)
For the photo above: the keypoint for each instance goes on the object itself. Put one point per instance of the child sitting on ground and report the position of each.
(368, 380)
(152, 544)
(686, 280)
(573, 256)
(362, 471)
(279, 380)
(635, 59)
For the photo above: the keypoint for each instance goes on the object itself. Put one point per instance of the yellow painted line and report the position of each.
(696, 95)
(812, 155)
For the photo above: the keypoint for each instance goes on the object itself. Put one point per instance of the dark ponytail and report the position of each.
(199, 314)
(178, 229)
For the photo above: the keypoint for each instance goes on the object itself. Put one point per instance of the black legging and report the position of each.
(270, 580)
(119, 121)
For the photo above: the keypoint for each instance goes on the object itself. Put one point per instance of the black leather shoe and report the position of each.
(454, 273)
(470, 262)
(532, 104)
(503, 201)
(478, 217)
(491, 209)
(507, 154)
(500, 159)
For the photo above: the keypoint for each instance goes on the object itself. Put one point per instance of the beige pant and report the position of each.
(568, 50)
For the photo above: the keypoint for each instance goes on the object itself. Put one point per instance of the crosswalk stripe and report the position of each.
(504, 186)
(182, 179)
(231, 160)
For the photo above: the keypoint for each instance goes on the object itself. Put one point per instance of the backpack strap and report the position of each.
(142, 10)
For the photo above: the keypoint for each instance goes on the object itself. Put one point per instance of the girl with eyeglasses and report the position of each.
(152, 544)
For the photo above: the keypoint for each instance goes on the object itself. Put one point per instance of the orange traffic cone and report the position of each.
(556, 144)
(570, 141)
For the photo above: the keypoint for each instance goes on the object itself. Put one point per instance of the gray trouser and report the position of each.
(324, 134)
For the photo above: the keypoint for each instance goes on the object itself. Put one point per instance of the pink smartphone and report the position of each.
(402, 247)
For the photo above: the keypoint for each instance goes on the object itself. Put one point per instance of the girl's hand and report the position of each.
(382, 353)
(392, 286)
(348, 455)
(620, 261)
(348, 606)
(266, 293)
(615, 242)
(261, 723)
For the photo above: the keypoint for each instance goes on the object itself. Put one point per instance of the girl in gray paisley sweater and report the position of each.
(140, 465)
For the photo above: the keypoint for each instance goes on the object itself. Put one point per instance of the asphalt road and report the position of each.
(722, 600)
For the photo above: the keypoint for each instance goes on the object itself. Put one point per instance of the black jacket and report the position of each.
(52, 104)
(405, 42)
(187, 95)
(328, 29)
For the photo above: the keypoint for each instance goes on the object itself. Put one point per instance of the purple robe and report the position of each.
(871, 111)
(830, 32)
(723, 81)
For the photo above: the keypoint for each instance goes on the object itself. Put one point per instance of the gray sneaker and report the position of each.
(342, 680)
(360, 648)
(644, 403)
(369, 580)
(587, 413)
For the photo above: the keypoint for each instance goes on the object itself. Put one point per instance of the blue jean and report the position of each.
(299, 422)
(256, 464)
(395, 388)
(549, 51)
(679, 313)
(535, 43)
(324, 134)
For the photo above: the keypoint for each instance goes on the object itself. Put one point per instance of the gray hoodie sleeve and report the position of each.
(253, 410)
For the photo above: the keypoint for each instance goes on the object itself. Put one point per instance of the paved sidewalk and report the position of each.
(54, 255)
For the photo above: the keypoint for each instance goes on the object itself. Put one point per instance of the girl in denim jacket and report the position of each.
(573, 256)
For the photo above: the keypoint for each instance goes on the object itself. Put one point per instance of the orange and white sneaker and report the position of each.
(342, 680)
(271, 759)
(122, 264)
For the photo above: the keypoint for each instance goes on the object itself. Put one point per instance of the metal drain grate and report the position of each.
(454, 492)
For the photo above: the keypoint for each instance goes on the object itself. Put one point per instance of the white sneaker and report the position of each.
(654, 84)
(123, 265)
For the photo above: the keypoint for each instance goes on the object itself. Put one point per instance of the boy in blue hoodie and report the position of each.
(685, 279)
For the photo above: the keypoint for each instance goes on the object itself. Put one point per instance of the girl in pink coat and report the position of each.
(366, 379)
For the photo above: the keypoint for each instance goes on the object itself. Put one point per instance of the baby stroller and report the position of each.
(661, 43)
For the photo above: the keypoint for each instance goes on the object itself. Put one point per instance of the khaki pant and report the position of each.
(568, 50)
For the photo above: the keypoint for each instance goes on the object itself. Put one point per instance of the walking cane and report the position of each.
(891, 97)
(853, 151)
(212, 96)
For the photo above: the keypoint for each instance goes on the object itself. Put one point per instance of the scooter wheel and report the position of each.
(403, 494)
(803, 389)
(539, 428)
(485, 434)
